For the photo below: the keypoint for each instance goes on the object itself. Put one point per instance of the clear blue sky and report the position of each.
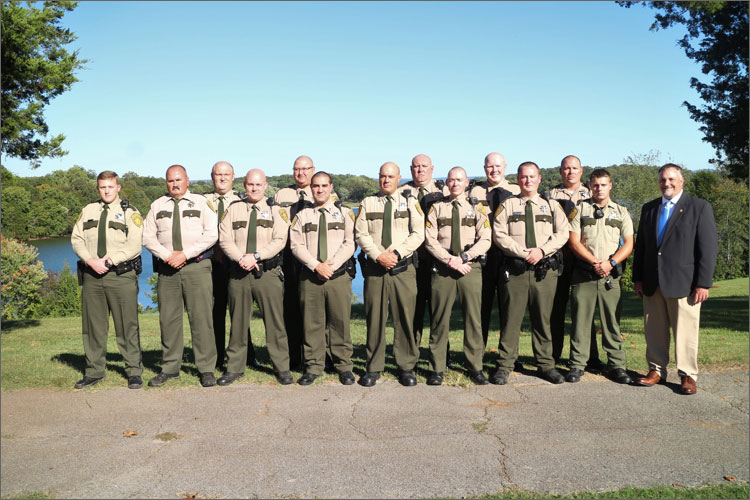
(356, 84)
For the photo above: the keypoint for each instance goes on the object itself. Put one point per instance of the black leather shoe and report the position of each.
(552, 375)
(253, 363)
(478, 377)
(161, 379)
(346, 378)
(87, 381)
(407, 378)
(435, 378)
(620, 376)
(284, 378)
(208, 379)
(574, 375)
(228, 378)
(135, 382)
(307, 378)
(369, 379)
(500, 377)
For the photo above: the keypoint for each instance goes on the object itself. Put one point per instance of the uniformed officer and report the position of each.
(569, 193)
(389, 228)
(180, 229)
(252, 234)
(601, 236)
(107, 240)
(529, 230)
(222, 175)
(490, 194)
(457, 234)
(322, 239)
(428, 191)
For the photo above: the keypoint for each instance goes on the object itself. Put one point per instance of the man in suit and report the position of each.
(675, 256)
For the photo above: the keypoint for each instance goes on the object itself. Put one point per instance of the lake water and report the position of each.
(54, 252)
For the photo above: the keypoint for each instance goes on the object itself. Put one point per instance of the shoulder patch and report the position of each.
(427, 224)
(294, 221)
(334, 197)
(480, 209)
(499, 210)
(137, 219)
(351, 214)
(284, 215)
(419, 208)
(211, 205)
(486, 223)
(573, 213)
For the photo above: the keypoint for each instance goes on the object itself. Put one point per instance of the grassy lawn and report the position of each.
(725, 490)
(49, 352)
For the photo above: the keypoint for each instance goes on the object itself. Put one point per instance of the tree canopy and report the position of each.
(717, 38)
(36, 68)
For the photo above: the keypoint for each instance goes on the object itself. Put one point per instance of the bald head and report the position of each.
(255, 185)
(177, 181)
(303, 171)
(390, 175)
(456, 182)
(222, 174)
(494, 168)
(421, 170)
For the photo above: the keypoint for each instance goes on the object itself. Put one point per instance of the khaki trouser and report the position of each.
(100, 295)
(189, 287)
(661, 313)
(268, 292)
(518, 293)
(326, 305)
(586, 294)
(400, 291)
(446, 284)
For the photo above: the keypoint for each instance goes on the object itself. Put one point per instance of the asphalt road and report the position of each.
(388, 441)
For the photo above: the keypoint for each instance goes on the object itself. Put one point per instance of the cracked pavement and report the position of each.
(388, 441)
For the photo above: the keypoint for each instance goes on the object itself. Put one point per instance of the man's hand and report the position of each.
(535, 255)
(324, 271)
(248, 262)
(457, 264)
(98, 265)
(387, 260)
(699, 295)
(638, 288)
(602, 268)
(176, 259)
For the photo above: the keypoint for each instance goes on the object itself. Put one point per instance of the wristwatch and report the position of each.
(464, 257)
(256, 255)
(613, 262)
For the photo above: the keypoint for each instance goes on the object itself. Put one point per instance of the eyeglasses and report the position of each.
(302, 169)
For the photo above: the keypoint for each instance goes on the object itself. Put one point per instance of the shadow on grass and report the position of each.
(9, 326)
(725, 312)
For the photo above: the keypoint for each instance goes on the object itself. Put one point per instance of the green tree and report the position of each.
(717, 38)
(22, 276)
(36, 68)
(61, 295)
(16, 207)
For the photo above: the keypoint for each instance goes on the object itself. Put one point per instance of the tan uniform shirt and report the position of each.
(509, 229)
(288, 196)
(475, 229)
(481, 192)
(602, 236)
(431, 187)
(198, 226)
(560, 193)
(303, 235)
(124, 232)
(229, 198)
(271, 231)
(407, 228)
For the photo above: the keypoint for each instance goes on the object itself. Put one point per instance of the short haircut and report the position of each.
(330, 179)
(569, 157)
(107, 175)
(529, 163)
(598, 173)
(177, 166)
(670, 165)
(457, 168)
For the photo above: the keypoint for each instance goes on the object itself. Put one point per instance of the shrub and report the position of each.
(61, 295)
(22, 276)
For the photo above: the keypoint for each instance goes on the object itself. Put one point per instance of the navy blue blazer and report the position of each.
(686, 258)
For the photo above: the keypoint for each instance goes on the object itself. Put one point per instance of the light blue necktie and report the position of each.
(664, 215)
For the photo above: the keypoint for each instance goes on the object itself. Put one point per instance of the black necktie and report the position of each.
(101, 244)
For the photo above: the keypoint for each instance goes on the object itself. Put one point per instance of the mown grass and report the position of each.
(724, 490)
(49, 352)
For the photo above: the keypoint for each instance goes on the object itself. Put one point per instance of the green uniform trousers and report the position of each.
(491, 284)
(445, 285)
(585, 295)
(560, 307)
(190, 286)
(400, 291)
(100, 295)
(519, 292)
(326, 305)
(268, 292)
